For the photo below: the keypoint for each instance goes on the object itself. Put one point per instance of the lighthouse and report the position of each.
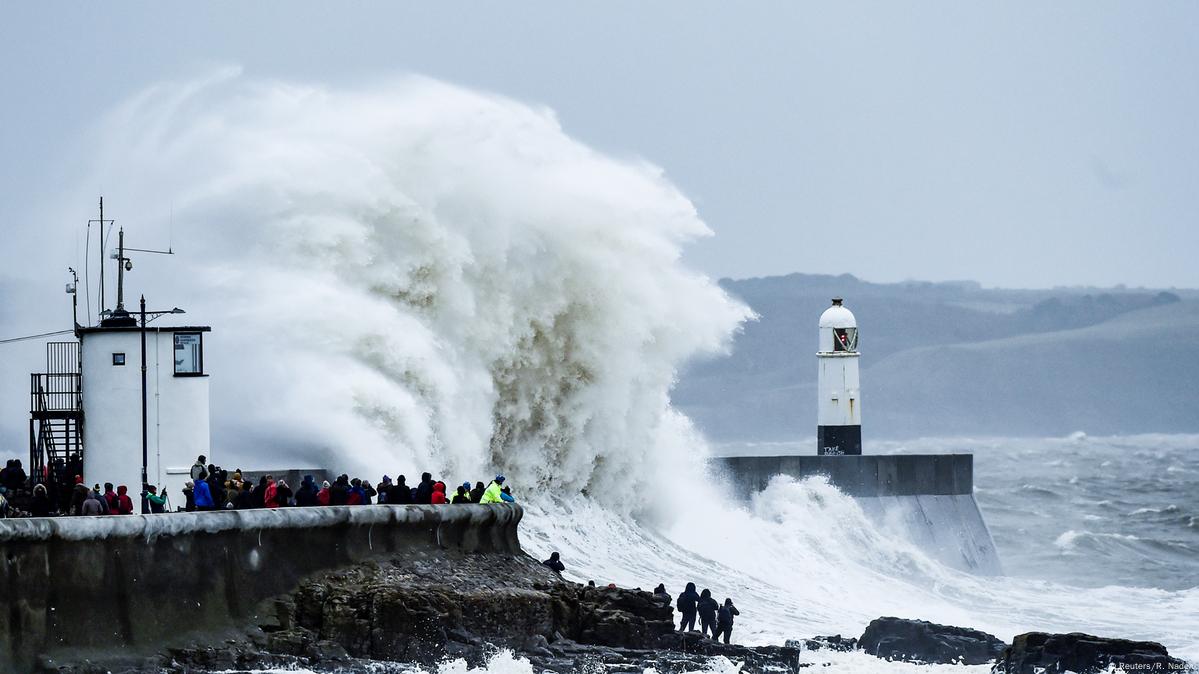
(839, 408)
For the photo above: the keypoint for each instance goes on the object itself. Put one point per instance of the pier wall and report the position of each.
(71, 585)
(926, 498)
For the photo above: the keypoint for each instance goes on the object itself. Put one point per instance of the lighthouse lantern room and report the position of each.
(839, 411)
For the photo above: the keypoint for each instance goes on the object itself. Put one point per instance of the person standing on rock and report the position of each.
(707, 608)
(661, 593)
(492, 494)
(199, 472)
(555, 563)
(724, 620)
(687, 606)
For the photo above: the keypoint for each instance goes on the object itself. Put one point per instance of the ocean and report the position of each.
(407, 275)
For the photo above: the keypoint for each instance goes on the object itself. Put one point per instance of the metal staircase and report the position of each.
(56, 417)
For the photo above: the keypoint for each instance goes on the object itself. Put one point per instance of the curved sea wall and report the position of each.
(75, 584)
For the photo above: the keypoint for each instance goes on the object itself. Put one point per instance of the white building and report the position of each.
(177, 401)
(839, 408)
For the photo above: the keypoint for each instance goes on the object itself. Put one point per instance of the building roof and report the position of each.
(149, 328)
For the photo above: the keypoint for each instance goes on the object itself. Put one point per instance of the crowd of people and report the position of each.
(211, 487)
(716, 620)
(713, 617)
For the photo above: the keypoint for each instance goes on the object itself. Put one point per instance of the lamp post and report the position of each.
(145, 426)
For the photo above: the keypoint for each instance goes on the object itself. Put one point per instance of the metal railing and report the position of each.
(55, 392)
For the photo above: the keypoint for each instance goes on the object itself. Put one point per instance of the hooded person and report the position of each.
(78, 495)
(555, 563)
(686, 605)
(258, 494)
(306, 494)
(383, 488)
(661, 594)
(476, 494)
(40, 506)
(707, 607)
(724, 620)
(506, 495)
(110, 497)
(324, 496)
(203, 495)
(493, 491)
(270, 496)
(93, 504)
(339, 493)
(124, 503)
(463, 494)
(438, 497)
(424, 490)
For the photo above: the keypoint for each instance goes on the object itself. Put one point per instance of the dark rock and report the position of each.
(921, 641)
(824, 643)
(1083, 654)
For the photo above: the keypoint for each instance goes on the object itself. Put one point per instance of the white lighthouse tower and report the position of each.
(839, 415)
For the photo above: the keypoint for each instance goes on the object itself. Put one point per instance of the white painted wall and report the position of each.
(177, 413)
(840, 397)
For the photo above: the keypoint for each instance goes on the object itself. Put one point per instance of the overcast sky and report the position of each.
(1017, 144)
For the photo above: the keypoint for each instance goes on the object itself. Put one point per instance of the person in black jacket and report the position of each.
(339, 493)
(555, 563)
(661, 594)
(245, 497)
(707, 608)
(400, 492)
(724, 620)
(40, 507)
(424, 491)
(306, 494)
(476, 494)
(687, 606)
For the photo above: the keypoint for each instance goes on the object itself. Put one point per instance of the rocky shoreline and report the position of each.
(425, 607)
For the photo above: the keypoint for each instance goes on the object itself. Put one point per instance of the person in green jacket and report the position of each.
(492, 495)
(156, 502)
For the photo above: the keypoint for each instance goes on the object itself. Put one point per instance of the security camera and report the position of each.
(128, 265)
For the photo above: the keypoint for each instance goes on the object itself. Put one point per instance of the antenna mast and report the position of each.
(101, 222)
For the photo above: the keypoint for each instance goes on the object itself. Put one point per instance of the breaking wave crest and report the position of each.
(420, 276)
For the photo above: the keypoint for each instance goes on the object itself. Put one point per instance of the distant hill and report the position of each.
(955, 358)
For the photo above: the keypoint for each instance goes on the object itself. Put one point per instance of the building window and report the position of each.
(118, 359)
(189, 353)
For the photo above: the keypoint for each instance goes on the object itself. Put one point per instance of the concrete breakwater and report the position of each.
(926, 498)
(73, 585)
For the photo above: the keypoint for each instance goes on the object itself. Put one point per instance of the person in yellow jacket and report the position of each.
(494, 491)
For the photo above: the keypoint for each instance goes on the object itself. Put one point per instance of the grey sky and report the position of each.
(1018, 144)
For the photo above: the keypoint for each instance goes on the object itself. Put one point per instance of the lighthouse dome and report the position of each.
(837, 316)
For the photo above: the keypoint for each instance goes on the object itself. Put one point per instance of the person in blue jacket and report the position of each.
(203, 495)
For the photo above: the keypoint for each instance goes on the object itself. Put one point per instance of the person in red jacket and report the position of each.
(272, 489)
(439, 493)
(322, 496)
(124, 503)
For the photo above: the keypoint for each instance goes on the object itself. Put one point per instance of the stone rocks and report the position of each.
(920, 641)
(824, 643)
(1037, 652)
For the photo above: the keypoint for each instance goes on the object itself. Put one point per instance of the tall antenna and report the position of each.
(101, 222)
